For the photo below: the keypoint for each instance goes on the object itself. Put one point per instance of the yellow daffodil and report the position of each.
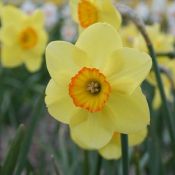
(128, 34)
(112, 150)
(88, 12)
(96, 90)
(23, 38)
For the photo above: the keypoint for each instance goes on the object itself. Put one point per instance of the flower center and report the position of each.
(94, 87)
(28, 38)
(89, 89)
(87, 13)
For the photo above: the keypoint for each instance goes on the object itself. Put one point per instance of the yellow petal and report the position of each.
(131, 112)
(42, 41)
(91, 129)
(79, 141)
(99, 41)
(37, 18)
(33, 64)
(136, 66)
(74, 9)
(108, 13)
(63, 56)
(112, 150)
(58, 101)
(11, 56)
(9, 36)
(10, 11)
(138, 137)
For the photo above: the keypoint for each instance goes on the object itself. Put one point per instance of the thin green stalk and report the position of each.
(137, 161)
(57, 171)
(171, 55)
(98, 165)
(125, 162)
(86, 163)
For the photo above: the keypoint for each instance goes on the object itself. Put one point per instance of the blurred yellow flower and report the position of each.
(96, 89)
(23, 38)
(166, 82)
(88, 12)
(112, 150)
(162, 43)
(128, 34)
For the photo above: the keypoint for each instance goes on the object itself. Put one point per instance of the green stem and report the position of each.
(98, 165)
(125, 162)
(86, 163)
(137, 161)
(171, 55)
(57, 171)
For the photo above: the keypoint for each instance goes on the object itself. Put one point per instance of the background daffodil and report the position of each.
(162, 43)
(128, 34)
(96, 90)
(23, 38)
(88, 12)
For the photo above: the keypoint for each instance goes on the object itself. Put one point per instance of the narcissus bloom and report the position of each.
(95, 85)
(88, 12)
(112, 150)
(23, 38)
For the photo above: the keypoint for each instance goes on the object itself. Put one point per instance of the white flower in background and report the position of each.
(28, 7)
(51, 15)
(65, 11)
(142, 10)
(68, 30)
(171, 17)
(158, 10)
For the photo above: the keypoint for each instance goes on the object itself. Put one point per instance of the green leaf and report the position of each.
(12, 155)
(36, 114)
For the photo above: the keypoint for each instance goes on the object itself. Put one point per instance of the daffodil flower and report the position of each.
(23, 38)
(88, 12)
(95, 85)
